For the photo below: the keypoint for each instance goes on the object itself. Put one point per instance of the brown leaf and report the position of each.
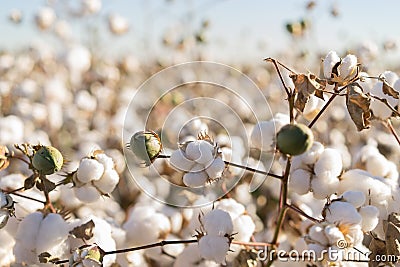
(84, 231)
(377, 247)
(305, 86)
(358, 106)
(388, 90)
(392, 234)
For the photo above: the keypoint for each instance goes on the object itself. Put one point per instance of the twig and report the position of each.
(392, 130)
(238, 166)
(287, 90)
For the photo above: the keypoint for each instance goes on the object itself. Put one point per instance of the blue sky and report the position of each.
(238, 28)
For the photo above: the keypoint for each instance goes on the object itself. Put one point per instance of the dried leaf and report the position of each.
(305, 86)
(358, 106)
(45, 257)
(392, 234)
(84, 231)
(388, 90)
(377, 247)
(30, 182)
(45, 185)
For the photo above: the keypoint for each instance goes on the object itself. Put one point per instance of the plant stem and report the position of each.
(287, 90)
(30, 198)
(302, 213)
(282, 205)
(252, 244)
(392, 130)
(322, 111)
(239, 166)
(157, 244)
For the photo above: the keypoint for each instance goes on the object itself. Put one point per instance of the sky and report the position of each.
(243, 29)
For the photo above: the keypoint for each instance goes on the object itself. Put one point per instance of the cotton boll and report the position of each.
(107, 182)
(85, 101)
(333, 234)
(317, 233)
(370, 217)
(313, 107)
(217, 222)
(356, 198)
(378, 108)
(377, 165)
(216, 168)
(373, 187)
(190, 257)
(195, 179)
(214, 248)
(231, 206)
(207, 152)
(107, 161)
(312, 155)
(87, 193)
(342, 212)
(89, 170)
(52, 234)
(179, 161)
(324, 185)
(330, 61)
(244, 227)
(300, 181)
(329, 160)
(348, 66)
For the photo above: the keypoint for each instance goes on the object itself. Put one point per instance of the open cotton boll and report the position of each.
(373, 187)
(377, 165)
(300, 181)
(356, 198)
(200, 151)
(216, 168)
(342, 212)
(52, 234)
(317, 233)
(347, 68)
(330, 61)
(89, 169)
(313, 107)
(87, 193)
(324, 187)
(107, 161)
(180, 162)
(329, 160)
(312, 155)
(333, 234)
(107, 182)
(379, 109)
(195, 179)
(370, 217)
(231, 206)
(217, 222)
(190, 257)
(214, 248)
(244, 227)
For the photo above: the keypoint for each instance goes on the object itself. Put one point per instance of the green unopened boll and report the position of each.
(146, 145)
(47, 160)
(294, 139)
